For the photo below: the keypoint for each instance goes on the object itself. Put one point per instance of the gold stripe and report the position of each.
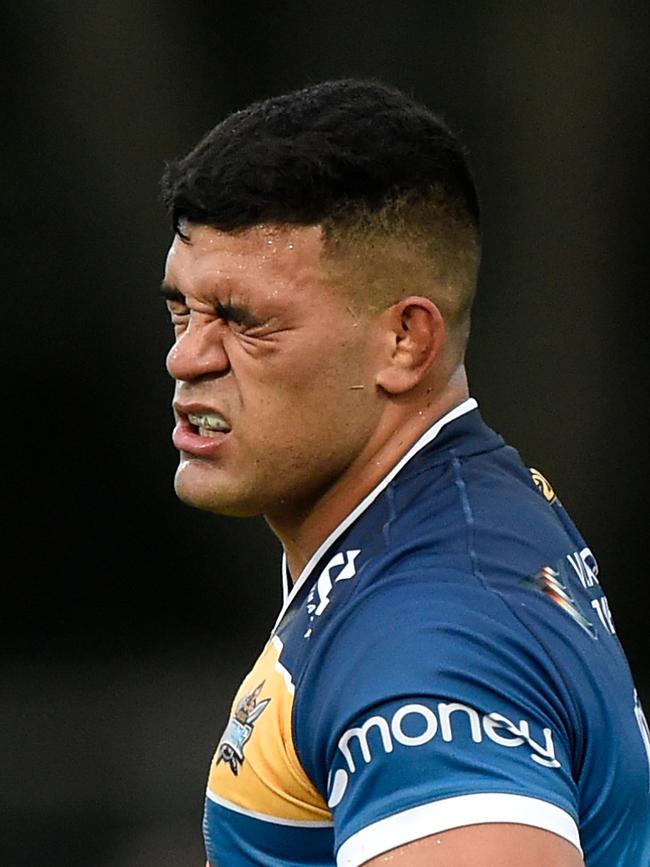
(270, 779)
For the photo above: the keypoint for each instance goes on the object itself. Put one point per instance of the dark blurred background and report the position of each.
(129, 618)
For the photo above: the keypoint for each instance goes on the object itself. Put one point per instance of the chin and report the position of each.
(221, 499)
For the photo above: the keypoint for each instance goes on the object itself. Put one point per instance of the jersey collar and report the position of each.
(428, 436)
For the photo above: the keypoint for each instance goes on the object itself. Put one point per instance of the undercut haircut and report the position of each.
(381, 174)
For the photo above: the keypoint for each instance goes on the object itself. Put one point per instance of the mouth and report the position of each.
(199, 431)
(207, 424)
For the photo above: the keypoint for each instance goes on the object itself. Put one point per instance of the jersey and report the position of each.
(447, 658)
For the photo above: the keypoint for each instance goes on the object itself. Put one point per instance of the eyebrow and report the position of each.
(171, 292)
(238, 312)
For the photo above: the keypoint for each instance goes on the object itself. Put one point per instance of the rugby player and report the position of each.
(444, 684)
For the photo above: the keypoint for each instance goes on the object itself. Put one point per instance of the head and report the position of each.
(324, 262)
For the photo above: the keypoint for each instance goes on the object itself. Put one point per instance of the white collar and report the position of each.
(428, 436)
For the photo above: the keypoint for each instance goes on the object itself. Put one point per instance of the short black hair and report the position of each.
(305, 157)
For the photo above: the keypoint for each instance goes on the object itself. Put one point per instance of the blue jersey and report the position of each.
(447, 658)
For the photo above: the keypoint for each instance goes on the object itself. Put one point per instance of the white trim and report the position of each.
(285, 579)
(428, 436)
(439, 816)
(263, 817)
(285, 673)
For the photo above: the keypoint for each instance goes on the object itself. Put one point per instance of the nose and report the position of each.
(198, 351)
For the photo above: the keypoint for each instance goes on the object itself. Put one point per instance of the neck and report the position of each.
(304, 530)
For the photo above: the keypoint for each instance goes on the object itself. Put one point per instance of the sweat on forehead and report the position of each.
(266, 257)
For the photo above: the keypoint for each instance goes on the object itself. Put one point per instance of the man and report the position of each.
(444, 685)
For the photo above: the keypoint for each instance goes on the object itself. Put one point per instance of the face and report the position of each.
(274, 396)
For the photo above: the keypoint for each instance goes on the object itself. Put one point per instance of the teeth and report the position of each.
(208, 423)
(208, 432)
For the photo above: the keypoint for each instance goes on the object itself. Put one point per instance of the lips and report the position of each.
(199, 431)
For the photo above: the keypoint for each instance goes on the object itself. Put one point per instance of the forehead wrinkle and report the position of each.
(199, 273)
(271, 258)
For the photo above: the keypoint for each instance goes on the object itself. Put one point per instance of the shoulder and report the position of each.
(432, 617)
(451, 640)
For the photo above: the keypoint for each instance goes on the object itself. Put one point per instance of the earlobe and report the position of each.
(416, 334)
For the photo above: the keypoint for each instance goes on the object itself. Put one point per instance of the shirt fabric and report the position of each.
(446, 658)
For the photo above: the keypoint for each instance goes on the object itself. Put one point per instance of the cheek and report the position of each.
(310, 386)
(309, 399)
(322, 415)
(331, 364)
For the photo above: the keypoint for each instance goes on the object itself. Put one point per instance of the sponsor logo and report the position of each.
(554, 582)
(240, 728)
(549, 582)
(319, 595)
(585, 566)
(543, 486)
(378, 735)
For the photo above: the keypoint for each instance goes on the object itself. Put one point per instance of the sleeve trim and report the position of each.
(439, 816)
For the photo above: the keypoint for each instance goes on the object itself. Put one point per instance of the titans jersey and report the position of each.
(446, 658)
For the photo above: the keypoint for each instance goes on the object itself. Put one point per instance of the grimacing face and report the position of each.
(268, 362)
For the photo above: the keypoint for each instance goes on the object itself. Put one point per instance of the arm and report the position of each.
(504, 845)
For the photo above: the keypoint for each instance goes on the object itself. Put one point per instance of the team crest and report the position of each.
(240, 728)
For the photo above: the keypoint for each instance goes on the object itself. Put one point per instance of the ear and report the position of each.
(415, 334)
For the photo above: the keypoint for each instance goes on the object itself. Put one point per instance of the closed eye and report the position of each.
(178, 310)
(174, 300)
(237, 315)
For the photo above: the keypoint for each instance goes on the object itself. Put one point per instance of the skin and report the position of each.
(502, 845)
(322, 397)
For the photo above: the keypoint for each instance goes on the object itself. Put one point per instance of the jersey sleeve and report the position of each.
(431, 711)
